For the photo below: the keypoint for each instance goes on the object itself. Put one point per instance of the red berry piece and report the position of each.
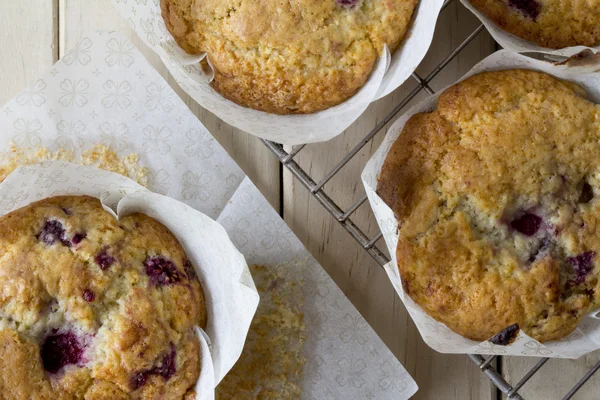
(88, 295)
(582, 265)
(348, 3)
(527, 224)
(530, 8)
(166, 369)
(587, 193)
(139, 379)
(506, 336)
(60, 350)
(78, 237)
(52, 231)
(161, 271)
(104, 260)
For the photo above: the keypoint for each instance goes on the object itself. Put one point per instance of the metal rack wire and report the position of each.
(344, 216)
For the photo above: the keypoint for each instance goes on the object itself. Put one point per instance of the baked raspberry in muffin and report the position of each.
(289, 57)
(497, 194)
(548, 23)
(95, 308)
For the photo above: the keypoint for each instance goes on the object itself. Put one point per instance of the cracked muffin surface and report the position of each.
(95, 308)
(289, 57)
(548, 23)
(497, 193)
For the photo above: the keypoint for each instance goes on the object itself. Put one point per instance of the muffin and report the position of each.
(95, 308)
(548, 23)
(289, 57)
(495, 191)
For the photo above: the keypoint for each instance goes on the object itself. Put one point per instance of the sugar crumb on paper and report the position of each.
(271, 364)
(100, 156)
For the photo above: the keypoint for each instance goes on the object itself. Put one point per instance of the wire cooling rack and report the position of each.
(490, 365)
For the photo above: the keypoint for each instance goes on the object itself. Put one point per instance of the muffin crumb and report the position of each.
(271, 365)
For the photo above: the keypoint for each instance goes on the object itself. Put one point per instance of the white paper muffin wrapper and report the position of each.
(146, 20)
(231, 298)
(514, 43)
(584, 339)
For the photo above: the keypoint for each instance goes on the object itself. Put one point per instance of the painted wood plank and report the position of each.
(555, 378)
(364, 282)
(80, 16)
(28, 45)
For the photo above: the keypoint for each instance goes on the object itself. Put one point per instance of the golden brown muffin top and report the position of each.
(497, 194)
(94, 308)
(549, 23)
(288, 57)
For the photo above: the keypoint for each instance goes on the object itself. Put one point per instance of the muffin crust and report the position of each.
(497, 191)
(94, 308)
(288, 57)
(548, 23)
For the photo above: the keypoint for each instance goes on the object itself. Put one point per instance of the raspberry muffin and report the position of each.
(289, 57)
(94, 308)
(548, 23)
(496, 191)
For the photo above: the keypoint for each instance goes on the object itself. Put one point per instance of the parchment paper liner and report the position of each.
(146, 20)
(584, 339)
(231, 296)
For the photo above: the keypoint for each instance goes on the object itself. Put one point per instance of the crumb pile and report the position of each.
(271, 364)
(100, 156)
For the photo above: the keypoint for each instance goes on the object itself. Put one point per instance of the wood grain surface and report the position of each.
(29, 43)
(37, 33)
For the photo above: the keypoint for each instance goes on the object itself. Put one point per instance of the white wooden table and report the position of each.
(36, 33)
